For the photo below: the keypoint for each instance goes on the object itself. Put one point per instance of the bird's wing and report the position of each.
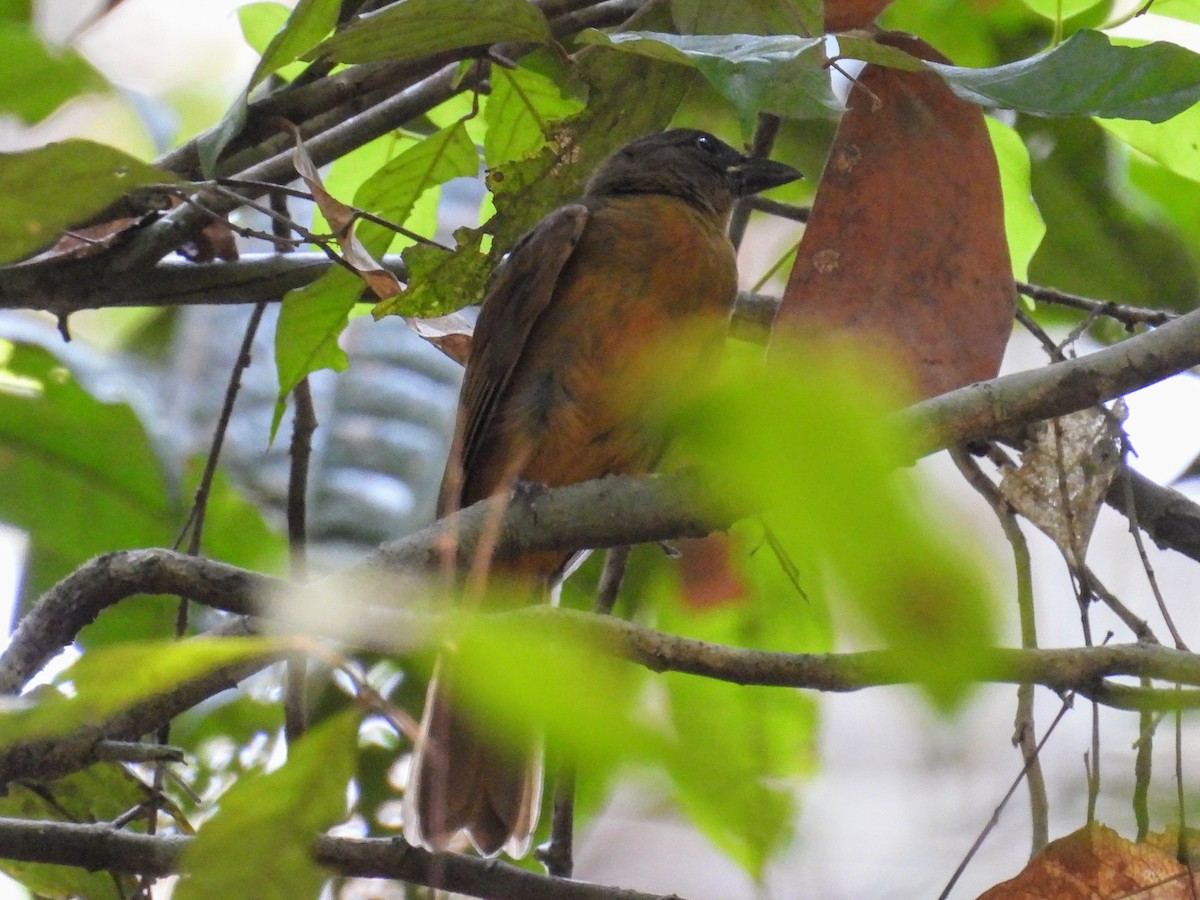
(521, 289)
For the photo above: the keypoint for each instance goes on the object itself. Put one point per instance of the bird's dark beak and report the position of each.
(756, 174)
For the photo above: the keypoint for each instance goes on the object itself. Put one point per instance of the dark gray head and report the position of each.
(691, 165)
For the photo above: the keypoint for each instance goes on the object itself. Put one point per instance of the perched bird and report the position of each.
(571, 311)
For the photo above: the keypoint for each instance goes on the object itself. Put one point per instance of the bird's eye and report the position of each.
(707, 143)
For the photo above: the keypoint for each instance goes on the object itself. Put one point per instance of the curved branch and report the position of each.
(50, 758)
(595, 514)
(100, 847)
(981, 410)
(59, 614)
(535, 520)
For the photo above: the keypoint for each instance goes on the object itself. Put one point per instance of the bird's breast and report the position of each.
(643, 302)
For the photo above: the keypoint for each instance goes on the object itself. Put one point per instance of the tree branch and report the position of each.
(982, 410)
(59, 614)
(49, 758)
(96, 847)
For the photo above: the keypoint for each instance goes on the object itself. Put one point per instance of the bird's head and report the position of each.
(692, 165)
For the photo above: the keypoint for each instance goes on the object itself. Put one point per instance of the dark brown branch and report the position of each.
(96, 847)
(1127, 315)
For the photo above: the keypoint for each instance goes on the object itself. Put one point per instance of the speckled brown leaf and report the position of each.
(842, 15)
(905, 246)
(1066, 469)
(1096, 863)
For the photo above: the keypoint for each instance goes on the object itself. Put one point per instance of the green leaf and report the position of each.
(1097, 243)
(34, 80)
(99, 793)
(805, 17)
(784, 74)
(516, 676)
(45, 190)
(1175, 198)
(1061, 10)
(440, 282)
(258, 844)
(1188, 10)
(1087, 76)
(314, 316)
(147, 669)
(416, 28)
(1023, 223)
(619, 110)
(261, 22)
(812, 445)
(761, 739)
(310, 321)
(1173, 144)
(310, 21)
(76, 498)
(394, 189)
(16, 11)
(348, 173)
(521, 107)
(79, 498)
(975, 35)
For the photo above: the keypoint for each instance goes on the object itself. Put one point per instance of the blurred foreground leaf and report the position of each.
(146, 668)
(257, 845)
(808, 440)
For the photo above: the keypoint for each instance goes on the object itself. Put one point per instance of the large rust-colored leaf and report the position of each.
(842, 15)
(905, 246)
(1096, 863)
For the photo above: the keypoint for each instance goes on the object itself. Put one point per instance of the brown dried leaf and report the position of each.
(843, 15)
(341, 219)
(215, 241)
(1066, 469)
(450, 333)
(707, 572)
(89, 240)
(1095, 863)
(905, 246)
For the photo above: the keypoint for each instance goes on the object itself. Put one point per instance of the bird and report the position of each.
(642, 258)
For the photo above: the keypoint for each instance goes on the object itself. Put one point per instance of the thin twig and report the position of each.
(1136, 531)
(1127, 315)
(304, 423)
(1025, 728)
(1182, 850)
(995, 819)
(611, 576)
(766, 129)
(1142, 763)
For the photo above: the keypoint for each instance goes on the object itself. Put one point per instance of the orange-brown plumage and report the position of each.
(640, 261)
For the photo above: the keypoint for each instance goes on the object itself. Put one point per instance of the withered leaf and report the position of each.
(905, 249)
(450, 333)
(1066, 469)
(1096, 863)
(341, 219)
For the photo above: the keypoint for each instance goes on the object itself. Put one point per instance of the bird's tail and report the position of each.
(463, 781)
